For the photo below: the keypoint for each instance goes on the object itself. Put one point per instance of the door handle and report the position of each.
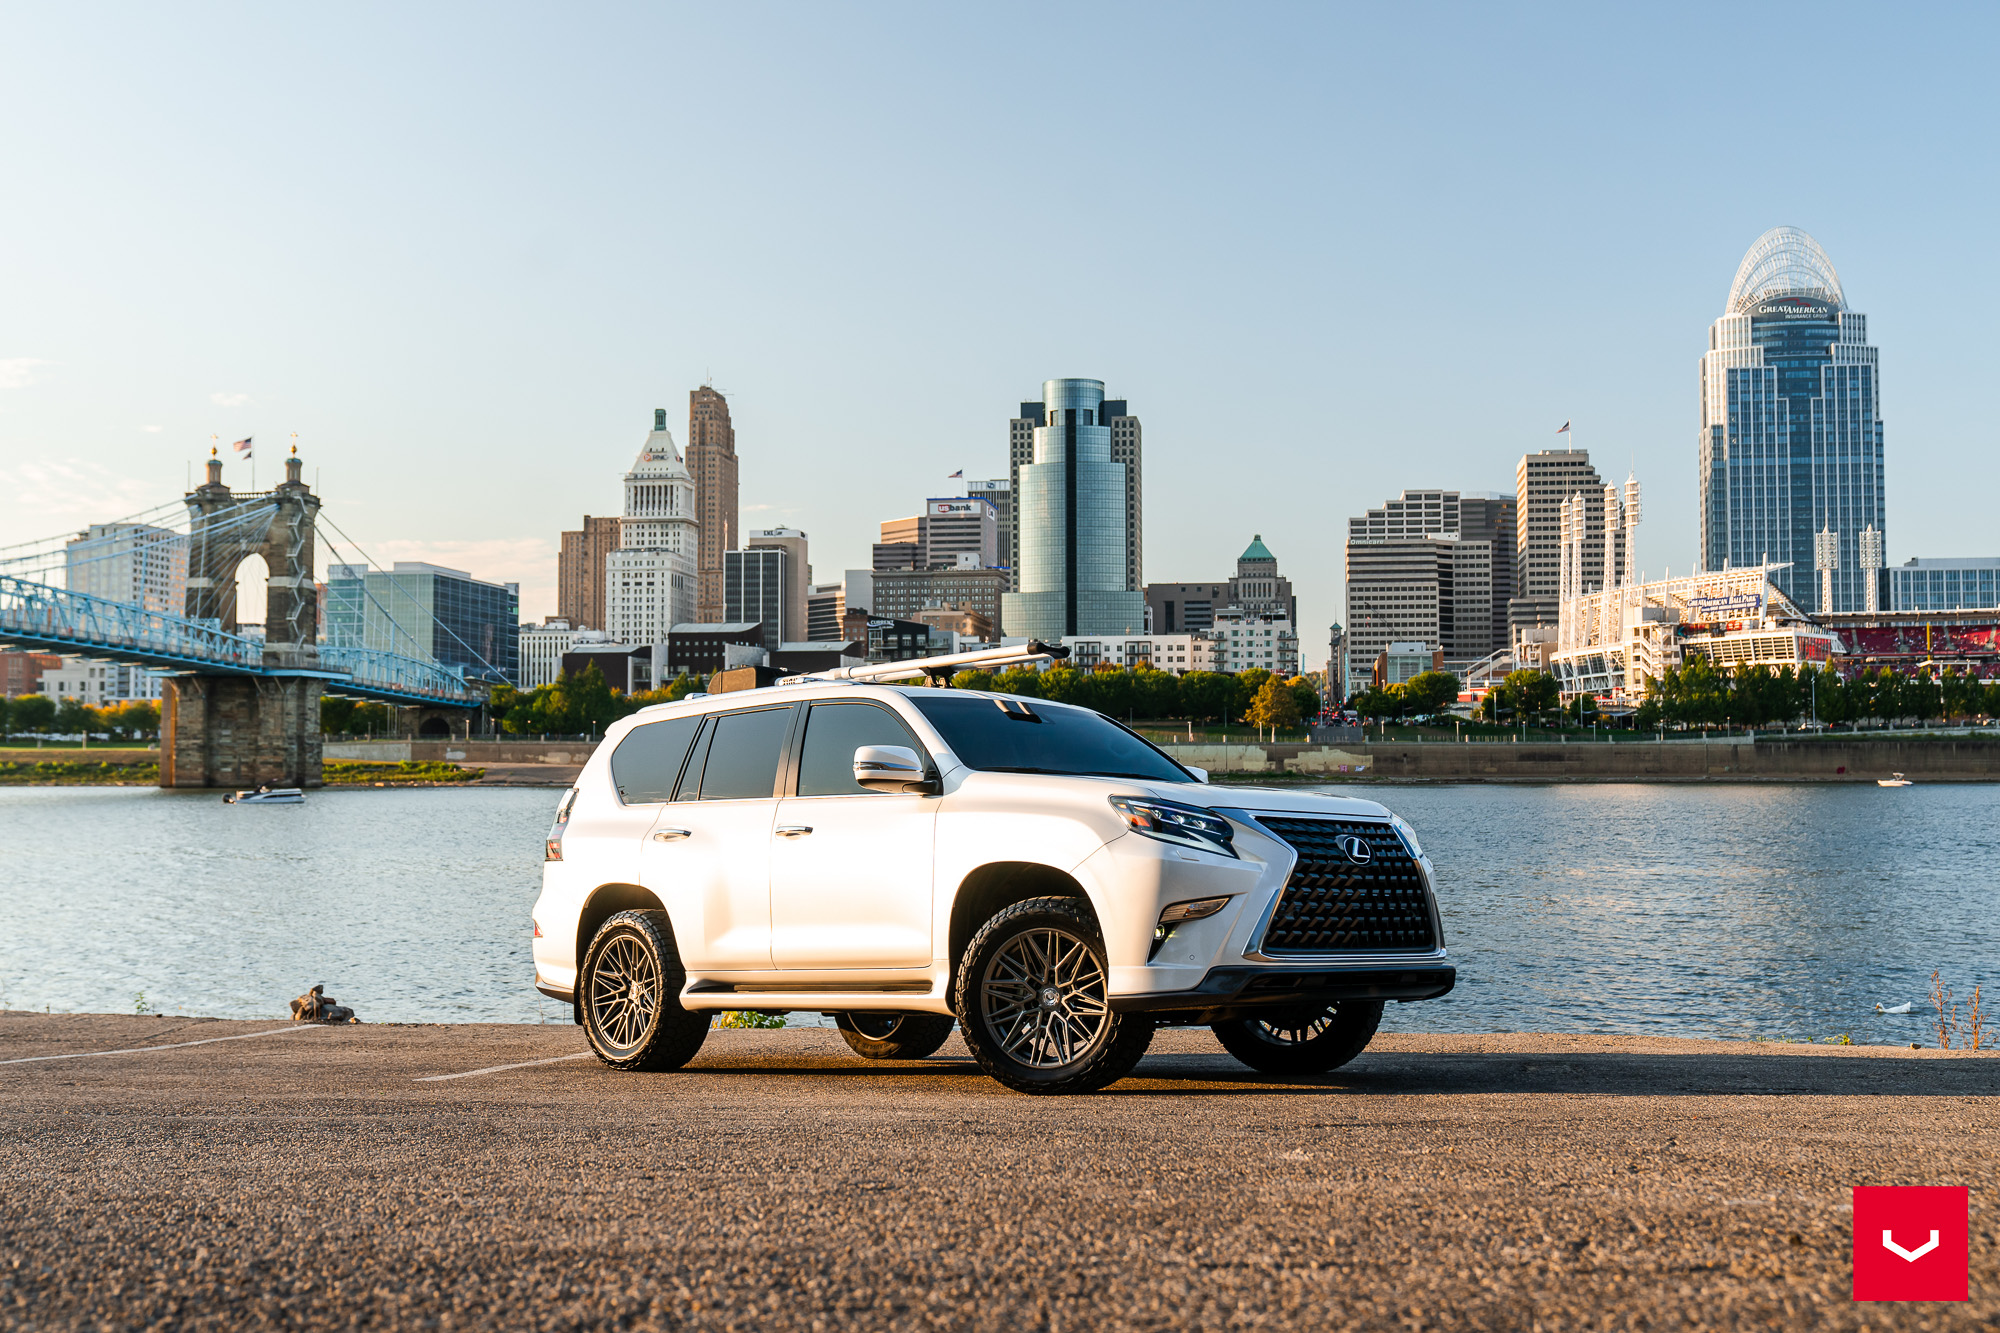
(669, 834)
(793, 830)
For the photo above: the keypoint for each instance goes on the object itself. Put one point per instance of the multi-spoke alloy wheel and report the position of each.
(1043, 995)
(1306, 1040)
(630, 988)
(1033, 999)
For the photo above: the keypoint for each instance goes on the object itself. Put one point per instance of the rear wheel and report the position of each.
(1033, 1001)
(1307, 1040)
(894, 1036)
(630, 991)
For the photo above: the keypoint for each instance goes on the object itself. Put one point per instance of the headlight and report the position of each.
(1170, 821)
(1402, 826)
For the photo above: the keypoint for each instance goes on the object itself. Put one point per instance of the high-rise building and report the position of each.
(961, 526)
(1791, 427)
(423, 610)
(711, 461)
(903, 594)
(901, 544)
(1125, 442)
(1437, 590)
(1074, 507)
(826, 605)
(1482, 525)
(130, 562)
(792, 621)
(650, 581)
(1000, 494)
(580, 571)
(757, 588)
(1542, 481)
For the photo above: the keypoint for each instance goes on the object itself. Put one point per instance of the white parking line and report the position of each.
(170, 1046)
(494, 1069)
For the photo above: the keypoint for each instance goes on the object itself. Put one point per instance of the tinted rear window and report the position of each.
(648, 760)
(743, 758)
(1028, 736)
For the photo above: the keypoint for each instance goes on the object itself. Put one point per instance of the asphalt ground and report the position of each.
(329, 1177)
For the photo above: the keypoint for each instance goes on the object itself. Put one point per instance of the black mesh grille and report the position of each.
(1332, 904)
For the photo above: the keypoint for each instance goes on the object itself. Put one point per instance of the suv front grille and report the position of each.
(1332, 905)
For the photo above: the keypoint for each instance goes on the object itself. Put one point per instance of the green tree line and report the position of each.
(1146, 694)
(1700, 695)
(39, 715)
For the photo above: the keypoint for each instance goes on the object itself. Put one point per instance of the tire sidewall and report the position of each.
(1353, 1027)
(674, 1034)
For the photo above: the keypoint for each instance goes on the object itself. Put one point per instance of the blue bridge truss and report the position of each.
(38, 618)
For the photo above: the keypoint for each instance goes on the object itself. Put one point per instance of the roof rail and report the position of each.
(935, 667)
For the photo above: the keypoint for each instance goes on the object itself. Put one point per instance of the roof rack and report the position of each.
(936, 668)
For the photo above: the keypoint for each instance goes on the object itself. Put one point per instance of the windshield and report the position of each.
(1014, 735)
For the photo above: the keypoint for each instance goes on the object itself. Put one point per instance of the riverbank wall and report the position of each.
(1738, 759)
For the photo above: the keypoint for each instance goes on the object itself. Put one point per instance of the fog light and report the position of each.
(1192, 911)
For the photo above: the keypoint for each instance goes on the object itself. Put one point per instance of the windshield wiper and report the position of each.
(1082, 773)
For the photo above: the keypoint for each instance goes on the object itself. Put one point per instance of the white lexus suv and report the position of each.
(902, 856)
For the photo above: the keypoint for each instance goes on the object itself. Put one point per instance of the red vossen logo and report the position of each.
(1911, 1242)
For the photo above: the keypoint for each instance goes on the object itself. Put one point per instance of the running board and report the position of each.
(810, 988)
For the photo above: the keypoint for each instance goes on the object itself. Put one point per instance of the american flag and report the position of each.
(242, 446)
(1564, 430)
(956, 475)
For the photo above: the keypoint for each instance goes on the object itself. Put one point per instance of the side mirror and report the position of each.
(1200, 774)
(895, 768)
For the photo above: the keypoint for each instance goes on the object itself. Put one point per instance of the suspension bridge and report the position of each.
(236, 709)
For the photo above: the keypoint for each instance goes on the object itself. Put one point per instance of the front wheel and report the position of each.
(1307, 1040)
(631, 987)
(1033, 999)
(894, 1036)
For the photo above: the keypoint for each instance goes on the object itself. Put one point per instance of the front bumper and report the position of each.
(1229, 992)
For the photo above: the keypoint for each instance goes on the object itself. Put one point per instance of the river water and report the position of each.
(1688, 911)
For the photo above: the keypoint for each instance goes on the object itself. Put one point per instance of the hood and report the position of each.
(1272, 799)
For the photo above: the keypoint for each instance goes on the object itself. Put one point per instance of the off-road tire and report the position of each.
(1291, 1042)
(894, 1036)
(1107, 1044)
(629, 988)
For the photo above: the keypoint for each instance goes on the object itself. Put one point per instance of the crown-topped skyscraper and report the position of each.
(1791, 429)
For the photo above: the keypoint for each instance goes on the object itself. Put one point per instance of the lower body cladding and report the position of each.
(1241, 992)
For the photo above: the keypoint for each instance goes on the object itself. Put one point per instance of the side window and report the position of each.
(744, 755)
(833, 733)
(648, 760)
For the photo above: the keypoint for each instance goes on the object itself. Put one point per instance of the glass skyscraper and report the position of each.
(1791, 428)
(1073, 575)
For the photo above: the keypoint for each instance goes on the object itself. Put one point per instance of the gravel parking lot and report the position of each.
(329, 1176)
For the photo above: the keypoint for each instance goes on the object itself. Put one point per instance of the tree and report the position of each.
(1208, 696)
(1276, 705)
(34, 712)
(972, 680)
(72, 717)
(1373, 703)
(1532, 692)
(6, 715)
(1155, 693)
(135, 718)
(1020, 680)
(336, 713)
(1430, 692)
(1066, 685)
(1306, 693)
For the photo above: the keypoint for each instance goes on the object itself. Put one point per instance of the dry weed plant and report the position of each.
(1967, 1033)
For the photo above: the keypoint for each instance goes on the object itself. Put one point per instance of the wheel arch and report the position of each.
(605, 902)
(1000, 884)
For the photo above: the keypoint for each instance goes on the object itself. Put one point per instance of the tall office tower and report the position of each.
(792, 618)
(711, 461)
(1542, 481)
(1436, 590)
(129, 562)
(1258, 588)
(1791, 425)
(650, 580)
(960, 530)
(826, 607)
(1125, 441)
(758, 588)
(1072, 503)
(1472, 517)
(901, 545)
(580, 571)
(1000, 494)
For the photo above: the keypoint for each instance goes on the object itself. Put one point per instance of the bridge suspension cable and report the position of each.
(370, 561)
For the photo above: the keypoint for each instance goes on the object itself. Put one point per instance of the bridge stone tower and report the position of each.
(236, 730)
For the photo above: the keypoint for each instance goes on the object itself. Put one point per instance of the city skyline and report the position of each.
(404, 323)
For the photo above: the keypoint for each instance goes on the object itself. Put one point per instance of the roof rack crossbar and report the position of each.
(935, 667)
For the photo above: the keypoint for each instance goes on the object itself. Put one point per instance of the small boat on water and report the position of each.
(1894, 780)
(265, 796)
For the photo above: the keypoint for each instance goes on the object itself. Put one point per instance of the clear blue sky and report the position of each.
(1326, 253)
